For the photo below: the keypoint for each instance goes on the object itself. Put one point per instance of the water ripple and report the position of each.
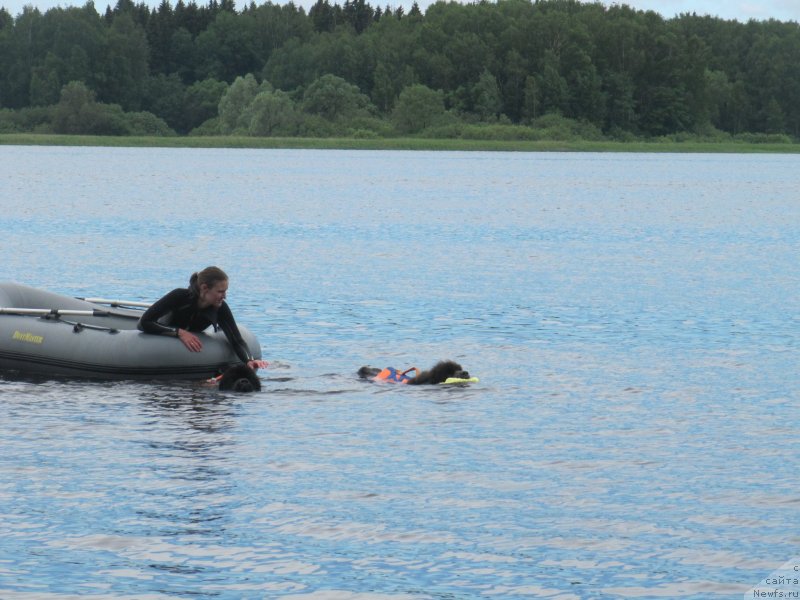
(632, 320)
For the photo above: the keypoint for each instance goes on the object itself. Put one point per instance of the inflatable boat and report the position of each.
(47, 334)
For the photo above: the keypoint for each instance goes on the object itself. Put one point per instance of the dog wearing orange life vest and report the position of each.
(439, 373)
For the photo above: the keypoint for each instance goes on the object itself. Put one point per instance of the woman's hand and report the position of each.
(190, 340)
(257, 364)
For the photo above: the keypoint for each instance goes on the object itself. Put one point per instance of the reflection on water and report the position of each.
(632, 320)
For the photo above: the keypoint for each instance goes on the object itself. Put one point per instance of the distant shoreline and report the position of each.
(31, 139)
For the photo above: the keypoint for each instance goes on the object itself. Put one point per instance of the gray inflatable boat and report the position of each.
(47, 334)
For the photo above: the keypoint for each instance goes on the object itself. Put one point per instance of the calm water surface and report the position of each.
(634, 321)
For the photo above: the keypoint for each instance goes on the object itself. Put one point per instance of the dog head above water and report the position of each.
(240, 378)
(439, 373)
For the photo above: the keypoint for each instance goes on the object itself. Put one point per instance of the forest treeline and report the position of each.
(520, 69)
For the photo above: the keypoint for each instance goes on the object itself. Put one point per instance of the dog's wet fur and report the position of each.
(240, 378)
(439, 373)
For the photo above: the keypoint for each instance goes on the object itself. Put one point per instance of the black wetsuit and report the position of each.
(179, 309)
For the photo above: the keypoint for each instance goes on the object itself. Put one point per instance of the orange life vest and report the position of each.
(392, 375)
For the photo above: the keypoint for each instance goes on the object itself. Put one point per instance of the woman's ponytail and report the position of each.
(194, 288)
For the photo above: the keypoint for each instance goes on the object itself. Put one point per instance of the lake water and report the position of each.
(633, 319)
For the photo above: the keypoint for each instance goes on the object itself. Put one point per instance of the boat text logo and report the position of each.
(27, 337)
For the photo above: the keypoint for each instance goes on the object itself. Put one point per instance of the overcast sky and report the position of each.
(741, 10)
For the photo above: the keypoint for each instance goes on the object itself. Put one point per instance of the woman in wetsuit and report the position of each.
(186, 311)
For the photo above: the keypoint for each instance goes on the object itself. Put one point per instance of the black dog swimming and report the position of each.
(439, 373)
(239, 378)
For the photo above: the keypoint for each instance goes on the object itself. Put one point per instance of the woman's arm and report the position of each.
(148, 323)
(228, 325)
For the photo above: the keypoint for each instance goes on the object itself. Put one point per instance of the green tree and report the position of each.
(145, 123)
(531, 108)
(511, 78)
(271, 114)
(324, 16)
(383, 90)
(182, 55)
(75, 110)
(45, 82)
(6, 20)
(18, 57)
(233, 104)
(123, 69)
(358, 13)
(334, 99)
(338, 53)
(720, 98)
(551, 87)
(487, 100)
(160, 29)
(292, 66)
(417, 107)
(774, 117)
(621, 105)
(225, 49)
(663, 97)
(202, 102)
(70, 43)
(165, 97)
(78, 113)
(740, 109)
(586, 100)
